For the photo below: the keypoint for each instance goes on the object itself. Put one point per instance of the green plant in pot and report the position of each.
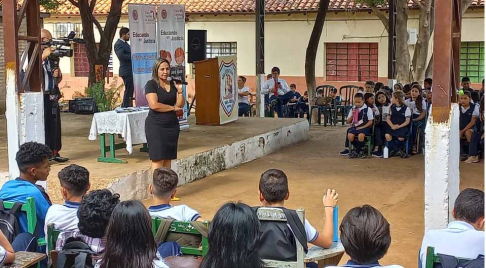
(106, 98)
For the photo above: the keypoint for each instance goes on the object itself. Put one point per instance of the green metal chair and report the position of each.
(185, 228)
(369, 140)
(29, 208)
(432, 260)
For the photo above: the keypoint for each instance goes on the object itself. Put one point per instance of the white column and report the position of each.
(12, 116)
(441, 169)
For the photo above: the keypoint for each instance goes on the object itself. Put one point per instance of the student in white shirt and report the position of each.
(243, 97)
(398, 121)
(74, 182)
(163, 188)
(419, 108)
(278, 89)
(274, 191)
(464, 237)
(365, 235)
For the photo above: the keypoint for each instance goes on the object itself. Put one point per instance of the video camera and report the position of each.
(61, 51)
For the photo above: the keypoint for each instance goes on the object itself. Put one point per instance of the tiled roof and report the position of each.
(234, 6)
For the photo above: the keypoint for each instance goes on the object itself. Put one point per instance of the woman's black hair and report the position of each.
(378, 86)
(129, 239)
(418, 100)
(381, 92)
(367, 96)
(234, 238)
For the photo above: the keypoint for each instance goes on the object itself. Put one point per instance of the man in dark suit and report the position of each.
(123, 52)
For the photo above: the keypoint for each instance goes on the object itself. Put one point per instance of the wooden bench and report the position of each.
(26, 259)
(325, 256)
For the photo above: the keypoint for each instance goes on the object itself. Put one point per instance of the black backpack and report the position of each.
(75, 254)
(447, 261)
(8, 222)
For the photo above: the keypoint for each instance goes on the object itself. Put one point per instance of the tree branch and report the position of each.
(92, 5)
(74, 3)
(382, 17)
(98, 25)
(417, 2)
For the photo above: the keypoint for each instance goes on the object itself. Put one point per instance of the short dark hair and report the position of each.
(359, 95)
(242, 78)
(293, 85)
(124, 30)
(95, 211)
(276, 69)
(320, 91)
(369, 82)
(32, 154)
(368, 95)
(469, 205)
(274, 185)
(407, 88)
(361, 88)
(365, 234)
(467, 93)
(428, 81)
(465, 79)
(333, 90)
(75, 179)
(164, 181)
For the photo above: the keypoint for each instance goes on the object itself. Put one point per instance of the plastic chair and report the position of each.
(347, 95)
(29, 208)
(407, 139)
(432, 260)
(368, 141)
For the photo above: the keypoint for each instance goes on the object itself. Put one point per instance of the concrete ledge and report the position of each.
(201, 165)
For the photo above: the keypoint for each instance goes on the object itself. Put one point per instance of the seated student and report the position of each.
(398, 124)
(369, 87)
(378, 86)
(163, 188)
(407, 90)
(279, 90)
(335, 98)
(369, 99)
(463, 237)
(22, 242)
(477, 139)
(383, 104)
(94, 214)
(428, 98)
(365, 235)
(293, 101)
(418, 106)
(274, 191)
(129, 239)
(428, 84)
(397, 87)
(469, 113)
(233, 224)
(243, 97)
(320, 98)
(466, 86)
(33, 161)
(361, 119)
(303, 105)
(74, 181)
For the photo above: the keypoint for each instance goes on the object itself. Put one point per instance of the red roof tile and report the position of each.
(233, 6)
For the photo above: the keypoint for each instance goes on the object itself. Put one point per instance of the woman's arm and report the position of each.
(155, 105)
(421, 116)
(367, 125)
(388, 120)
(180, 96)
(245, 93)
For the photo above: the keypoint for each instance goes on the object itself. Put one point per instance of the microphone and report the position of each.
(177, 81)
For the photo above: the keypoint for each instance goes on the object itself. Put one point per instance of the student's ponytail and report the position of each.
(418, 103)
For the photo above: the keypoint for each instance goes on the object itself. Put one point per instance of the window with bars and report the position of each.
(351, 61)
(63, 29)
(214, 49)
(81, 64)
(472, 61)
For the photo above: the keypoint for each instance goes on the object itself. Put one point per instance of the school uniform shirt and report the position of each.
(385, 111)
(413, 107)
(351, 263)
(376, 112)
(269, 86)
(408, 112)
(369, 113)
(3, 255)
(178, 213)
(310, 232)
(96, 244)
(19, 190)
(243, 99)
(64, 217)
(475, 112)
(459, 239)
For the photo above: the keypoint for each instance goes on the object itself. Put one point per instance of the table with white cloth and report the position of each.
(131, 127)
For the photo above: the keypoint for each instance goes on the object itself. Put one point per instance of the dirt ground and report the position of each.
(394, 186)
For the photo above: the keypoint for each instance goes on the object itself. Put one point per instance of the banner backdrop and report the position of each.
(228, 110)
(142, 20)
(171, 39)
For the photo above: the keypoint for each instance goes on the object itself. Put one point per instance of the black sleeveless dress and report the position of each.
(162, 129)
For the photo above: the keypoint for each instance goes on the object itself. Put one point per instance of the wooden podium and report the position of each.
(216, 91)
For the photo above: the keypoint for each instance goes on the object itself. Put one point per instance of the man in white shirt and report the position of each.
(243, 97)
(278, 89)
(163, 189)
(464, 237)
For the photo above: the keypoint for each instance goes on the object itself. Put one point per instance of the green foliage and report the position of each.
(106, 98)
(49, 5)
(372, 3)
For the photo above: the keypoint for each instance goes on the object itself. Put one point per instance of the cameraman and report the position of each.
(51, 78)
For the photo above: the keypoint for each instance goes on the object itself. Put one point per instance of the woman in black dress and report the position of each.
(165, 98)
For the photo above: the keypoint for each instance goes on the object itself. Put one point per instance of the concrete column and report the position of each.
(441, 169)
(12, 116)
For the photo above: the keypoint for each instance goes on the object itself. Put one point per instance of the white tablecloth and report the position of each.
(131, 126)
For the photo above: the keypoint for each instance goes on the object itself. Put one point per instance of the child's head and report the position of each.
(465, 98)
(369, 86)
(33, 161)
(407, 89)
(164, 183)
(74, 181)
(379, 86)
(306, 94)
(429, 95)
(320, 92)
(95, 211)
(428, 83)
(293, 87)
(466, 82)
(365, 234)
(358, 100)
(416, 91)
(398, 86)
(382, 98)
(369, 99)
(274, 187)
(398, 97)
(362, 89)
(333, 92)
(388, 90)
(469, 207)
(241, 81)
(275, 72)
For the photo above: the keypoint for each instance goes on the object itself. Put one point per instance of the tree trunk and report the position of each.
(403, 55)
(311, 53)
(421, 51)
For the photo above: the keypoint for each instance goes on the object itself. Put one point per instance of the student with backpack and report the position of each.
(274, 191)
(33, 162)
